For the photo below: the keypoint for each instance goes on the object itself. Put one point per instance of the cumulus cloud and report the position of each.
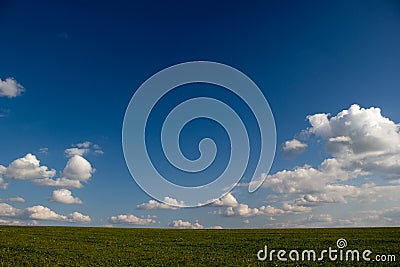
(43, 213)
(361, 143)
(7, 210)
(39, 213)
(77, 217)
(243, 210)
(78, 168)
(226, 201)
(362, 138)
(10, 88)
(131, 219)
(16, 199)
(28, 168)
(168, 204)
(185, 224)
(46, 214)
(64, 196)
(293, 147)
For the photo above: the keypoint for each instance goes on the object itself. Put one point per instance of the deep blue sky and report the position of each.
(80, 63)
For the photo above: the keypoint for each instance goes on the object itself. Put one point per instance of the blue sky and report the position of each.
(69, 69)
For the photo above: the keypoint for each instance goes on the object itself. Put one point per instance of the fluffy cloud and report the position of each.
(131, 219)
(10, 88)
(46, 214)
(226, 201)
(64, 196)
(77, 217)
(185, 224)
(243, 210)
(168, 204)
(76, 171)
(361, 143)
(43, 213)
(293, 147)
(78, 168)
(28, 168)
(16, 199)
(7, 210)
(40, 213)
(361, 137)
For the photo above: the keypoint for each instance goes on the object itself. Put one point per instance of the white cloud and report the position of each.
(84, 148)
(78, 168)
(226, 201)
(3, 184)
(28, 168)
(243, 210)
(185, 224)
(360, 138)
(39, 213)
(77, 217)
(85, 144)
(16, 199)
(64, 196)
(169, 204)
(216, 227)
(70, 152)
(7, 210)
(362, 143)
(293, 147)
(10, 88)
(131, 219)
(59, 182)
(43, 213)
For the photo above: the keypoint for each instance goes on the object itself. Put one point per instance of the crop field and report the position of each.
(73, 246)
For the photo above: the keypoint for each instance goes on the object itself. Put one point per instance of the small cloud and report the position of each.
(60, 182)
(77, 217)
(3, 184)
(16, 199)
(293, 147)
(169, 204)
(130, 219)
(84, 148)
(44, 150)
(226, 201)
(185, 224)
(64, 196)
(10, 88)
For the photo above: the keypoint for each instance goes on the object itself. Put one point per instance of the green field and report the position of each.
(72, 246)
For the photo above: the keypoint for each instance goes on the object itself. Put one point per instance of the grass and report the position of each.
(73, 246)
